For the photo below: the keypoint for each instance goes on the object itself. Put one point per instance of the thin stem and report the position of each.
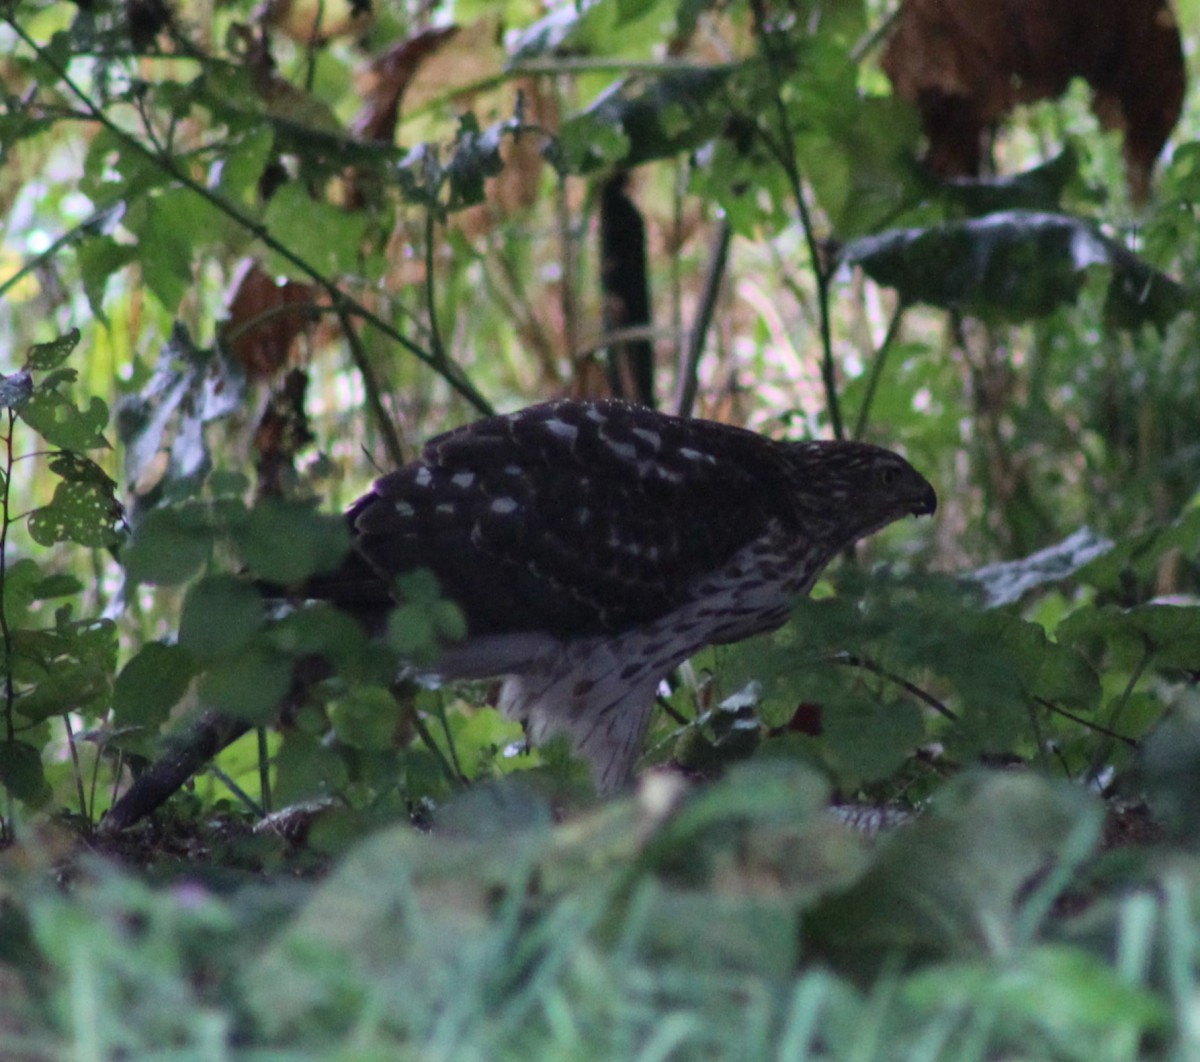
(785, 153)
(893, 330)
(78, 771)
(264, 769)
(1089, 723)
(5, 524)
(689, 370)
(438, 350)
(850, 660)
(65, 240)
(426, 737)
(341, 301)
(372, 390)
(1105, 748)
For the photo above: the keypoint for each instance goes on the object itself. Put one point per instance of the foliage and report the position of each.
(215, 230)
(739, 922)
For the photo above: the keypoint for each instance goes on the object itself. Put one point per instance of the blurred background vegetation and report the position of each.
(255, 253)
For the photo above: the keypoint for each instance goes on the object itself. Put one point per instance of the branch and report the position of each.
(341, 301)
(785, 153)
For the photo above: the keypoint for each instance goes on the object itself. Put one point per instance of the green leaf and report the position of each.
(305, 769)
(249, 685)
(220, 616)
(327, 238)
(1015, 266)
(63, 424)
(1171, 633)
(1075, 998)
(83, 512)
(169, 545)
(69, 686)
(323, 630)
(100, 259)
(367, 717)
(868, 740)
(21, 772)
(45, 356)
(638, 121)
(315, 542)
(954, 882)
(150, 685)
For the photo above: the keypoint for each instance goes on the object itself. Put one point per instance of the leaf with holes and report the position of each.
(83, 512)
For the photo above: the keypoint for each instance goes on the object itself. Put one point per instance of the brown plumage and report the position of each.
(594, 546)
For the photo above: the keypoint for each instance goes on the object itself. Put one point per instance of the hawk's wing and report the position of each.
(572, 518)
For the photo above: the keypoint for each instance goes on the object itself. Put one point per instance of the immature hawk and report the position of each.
(594, 546)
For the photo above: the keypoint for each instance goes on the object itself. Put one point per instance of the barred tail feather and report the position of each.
(593, 696)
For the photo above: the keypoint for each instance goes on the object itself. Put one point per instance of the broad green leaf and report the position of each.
(220, 616)
(321, 629)
(168, 545)
(314, 542)
(21, 772)
(1170, 633)
(367, 717)
(1074, 997)
(953, 883)
(100, 259)
(868, 740)
(248, 685)
(636, 122)
(70, 686)
(62, 423)
(150, 685)
(172, 226)
(81, 511)
(307, 769)
(45, 356)
(325, 237)
(1015, 266)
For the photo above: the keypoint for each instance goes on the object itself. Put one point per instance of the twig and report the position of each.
(785, 153)
(341, 301)
(893, 330)
(850, 660)
(1090, 724)
(372, 390)
(689, 369)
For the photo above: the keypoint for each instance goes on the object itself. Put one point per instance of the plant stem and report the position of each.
(850, 660)
(5, 524)
(893, 330)
(341, 301)
(785, 153)
(689, 369)
(84, 809)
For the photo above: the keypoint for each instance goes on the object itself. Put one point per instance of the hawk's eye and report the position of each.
(888, 475)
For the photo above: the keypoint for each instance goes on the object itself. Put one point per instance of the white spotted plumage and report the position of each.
(594, 546)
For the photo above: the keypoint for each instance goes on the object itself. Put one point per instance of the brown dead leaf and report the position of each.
(966, 63)
(265, 317)
(385, 79)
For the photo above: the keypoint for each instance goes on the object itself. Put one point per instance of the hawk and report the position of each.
(595, 546)
(592, 547)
